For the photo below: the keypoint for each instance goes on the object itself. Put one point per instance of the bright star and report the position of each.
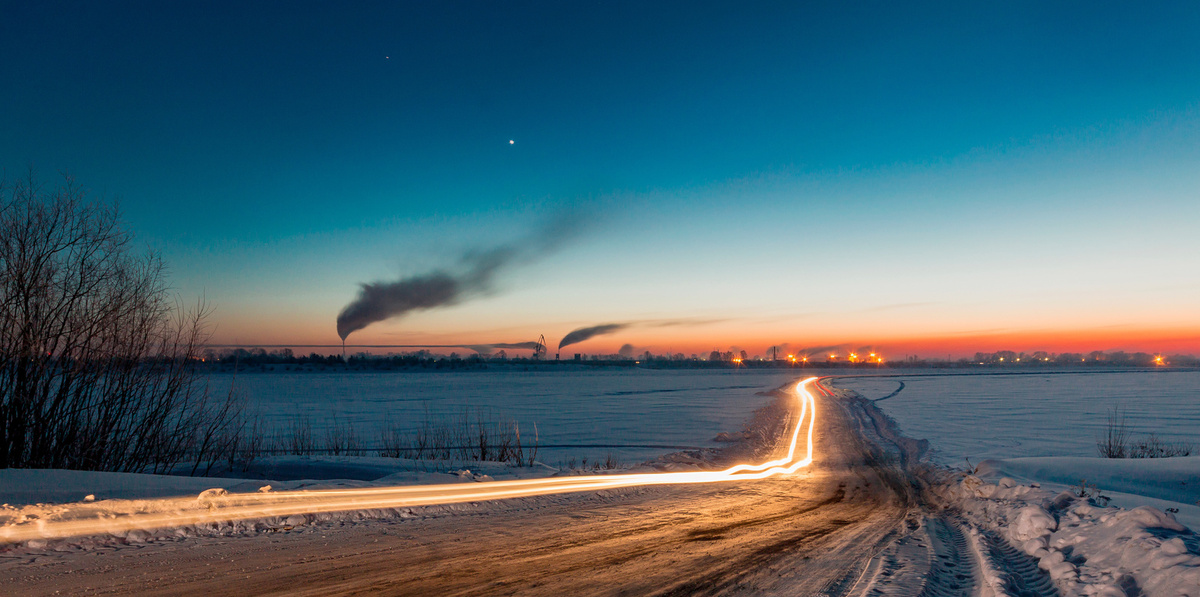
(510, 141)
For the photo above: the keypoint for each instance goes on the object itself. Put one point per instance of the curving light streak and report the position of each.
(99, 518)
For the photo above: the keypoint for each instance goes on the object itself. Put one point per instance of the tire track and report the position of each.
(949, 565)
(1022, 577)
(952, 570)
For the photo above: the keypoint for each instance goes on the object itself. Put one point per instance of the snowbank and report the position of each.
(1087, 548)
(1162, 483)
(43, 486)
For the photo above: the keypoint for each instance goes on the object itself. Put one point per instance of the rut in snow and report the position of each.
(1022, 577)
(952, 570)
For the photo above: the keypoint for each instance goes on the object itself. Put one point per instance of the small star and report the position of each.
(510, 141)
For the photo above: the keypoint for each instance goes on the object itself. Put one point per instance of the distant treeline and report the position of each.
(1008, 358)
(259, 359)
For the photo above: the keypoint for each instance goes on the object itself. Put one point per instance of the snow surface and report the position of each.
(619, 407)
(980, 416)
(1129, 483)
(1097, 526)
(46, 486)
(1087, 548)
(574, 408)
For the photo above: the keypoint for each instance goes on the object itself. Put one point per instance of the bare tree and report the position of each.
(1115, 441)
(97, 358)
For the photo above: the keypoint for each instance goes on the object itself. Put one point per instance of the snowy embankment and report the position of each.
(32, 495)
(1098, 526)
(91, 498)
(35, 486)
(1163, 483)
(1086, 547)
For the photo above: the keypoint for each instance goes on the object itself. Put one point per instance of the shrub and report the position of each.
(474, 434)
(1116, 442)
(97, 358)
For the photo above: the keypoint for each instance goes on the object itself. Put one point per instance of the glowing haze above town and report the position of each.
(936, 180)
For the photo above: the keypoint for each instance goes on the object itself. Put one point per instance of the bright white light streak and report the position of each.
(98, 518)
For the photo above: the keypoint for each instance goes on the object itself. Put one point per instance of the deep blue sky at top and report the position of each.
(282, 111)
(226, 123)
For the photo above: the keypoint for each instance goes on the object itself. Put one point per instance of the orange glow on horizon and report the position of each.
(700, 341)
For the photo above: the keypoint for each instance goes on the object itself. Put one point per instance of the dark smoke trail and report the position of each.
(489, 348)
(378, 301)
(521, 345)
(818, 350)
(382, 300)
(582, 334)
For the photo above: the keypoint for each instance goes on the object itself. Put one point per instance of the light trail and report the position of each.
(98, 518)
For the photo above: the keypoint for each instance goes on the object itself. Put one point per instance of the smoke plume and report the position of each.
(520, 345)
(588, 333)
(818, 350)
(476, 274)
(486, 349)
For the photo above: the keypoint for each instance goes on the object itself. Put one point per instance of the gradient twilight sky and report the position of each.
(941, 178)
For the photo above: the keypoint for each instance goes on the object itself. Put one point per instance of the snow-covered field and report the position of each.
(980, 416)
(592, 412)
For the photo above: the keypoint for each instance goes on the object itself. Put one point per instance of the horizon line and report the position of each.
(348, 346)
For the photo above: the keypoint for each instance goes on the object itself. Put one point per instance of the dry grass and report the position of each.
(1116, 442)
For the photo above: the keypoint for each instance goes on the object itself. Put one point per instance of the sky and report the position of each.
(936, 179)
